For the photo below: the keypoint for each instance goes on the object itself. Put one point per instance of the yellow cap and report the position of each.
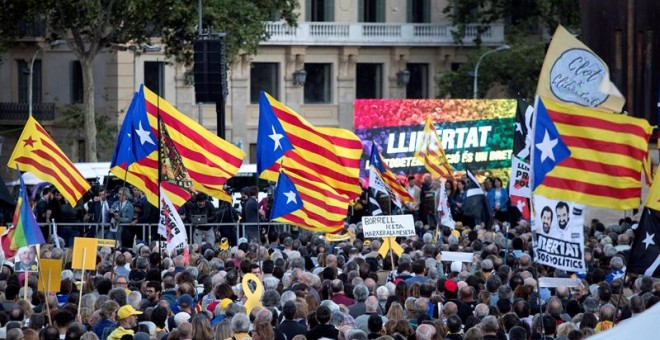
(224, 303)
(456, 233)
(126, 311)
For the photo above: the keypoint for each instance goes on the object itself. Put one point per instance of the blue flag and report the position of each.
(286, 199)
(136, 140)
(272, 141)
(548, 149)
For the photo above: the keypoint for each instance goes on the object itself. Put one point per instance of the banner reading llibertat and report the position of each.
(477, 134)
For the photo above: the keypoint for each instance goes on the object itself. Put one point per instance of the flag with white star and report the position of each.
(548, 148)
(286, 199)
(588, 156)
(272, 141)
(645, 251)
(136, 139)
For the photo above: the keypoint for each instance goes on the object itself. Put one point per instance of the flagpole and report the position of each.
(159, 148)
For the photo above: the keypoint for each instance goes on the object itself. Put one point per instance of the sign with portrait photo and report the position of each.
(558, 227)
(26, 260)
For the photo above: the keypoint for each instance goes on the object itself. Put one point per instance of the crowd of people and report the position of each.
(314, 288)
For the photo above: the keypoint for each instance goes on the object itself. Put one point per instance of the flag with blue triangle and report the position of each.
(548, 149)
(286, 199)
(272, 141)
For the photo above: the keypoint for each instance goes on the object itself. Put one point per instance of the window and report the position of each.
(418, 87)
(77, 88)
(320, 10)
(418, 11)
(264, 77)
(81, 151)
(371, 11)
(318, 85)
(368, 81)
(253, 154)
(154, 72)
(24, 79)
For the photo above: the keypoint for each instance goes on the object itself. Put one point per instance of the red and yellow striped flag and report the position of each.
(37, 153)
(430, 152)
(208, 159)
(323, 163)
(605, 163)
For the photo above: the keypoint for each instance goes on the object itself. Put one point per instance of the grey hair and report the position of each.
(270, 298)
(356, 334)
(134, 299)
(382, 293)
(193, 271)
(240, 323)
(360, 292)
(331, 305)
(287, 296)
(489, 324)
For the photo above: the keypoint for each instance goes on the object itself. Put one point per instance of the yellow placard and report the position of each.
(3, 229)
(84, 246)
(50, 272)
(253, 297)
(104, 242)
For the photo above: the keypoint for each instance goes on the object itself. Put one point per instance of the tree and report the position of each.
(528, 23)
(89, 26)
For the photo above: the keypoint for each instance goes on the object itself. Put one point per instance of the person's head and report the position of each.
(127, 316)
(240, 323)
(425, 332)
(14, 334)
(562, 215)
(201, 200)
(546, 218)
(323, 315)
(489, 325)
(360, 293)
(374, 323)
(517, 333)
(454, 323)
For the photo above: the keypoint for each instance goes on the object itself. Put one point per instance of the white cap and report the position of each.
(181, 317)
(242, 240)
(456, 266)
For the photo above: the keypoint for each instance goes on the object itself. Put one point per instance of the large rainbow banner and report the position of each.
(475, 134)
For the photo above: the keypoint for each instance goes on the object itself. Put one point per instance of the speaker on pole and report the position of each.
(210, 69)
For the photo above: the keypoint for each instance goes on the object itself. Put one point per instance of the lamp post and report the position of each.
(476, 68)
(31, 70)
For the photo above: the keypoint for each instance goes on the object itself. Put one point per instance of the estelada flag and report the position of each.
(588, 156)
(572, 73)
(37, 153)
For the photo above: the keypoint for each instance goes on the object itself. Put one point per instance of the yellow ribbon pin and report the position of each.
(390, 243)
(253, 297)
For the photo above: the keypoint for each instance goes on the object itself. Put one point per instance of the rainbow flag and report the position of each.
(25, 231)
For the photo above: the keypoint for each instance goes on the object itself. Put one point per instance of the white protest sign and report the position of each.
(559, 234)
(451, 256)
(388, 226)
(554, 282)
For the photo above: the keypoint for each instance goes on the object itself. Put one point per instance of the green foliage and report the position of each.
(517, 68)
(525, 22)
(242, 20)
(72, 115)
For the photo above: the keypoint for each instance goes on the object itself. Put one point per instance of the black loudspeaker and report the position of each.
(210, 69)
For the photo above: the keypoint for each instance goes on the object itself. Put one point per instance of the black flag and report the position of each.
(522, 140)
(645, 252)
(476, 206)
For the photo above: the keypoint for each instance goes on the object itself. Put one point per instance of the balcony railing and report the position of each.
(20, 111)
(31, 30)
(375, 34)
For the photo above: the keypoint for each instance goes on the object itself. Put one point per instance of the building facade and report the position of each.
(348, 49)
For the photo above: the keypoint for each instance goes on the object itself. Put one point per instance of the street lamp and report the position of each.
(31, 70)
(476, 68)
